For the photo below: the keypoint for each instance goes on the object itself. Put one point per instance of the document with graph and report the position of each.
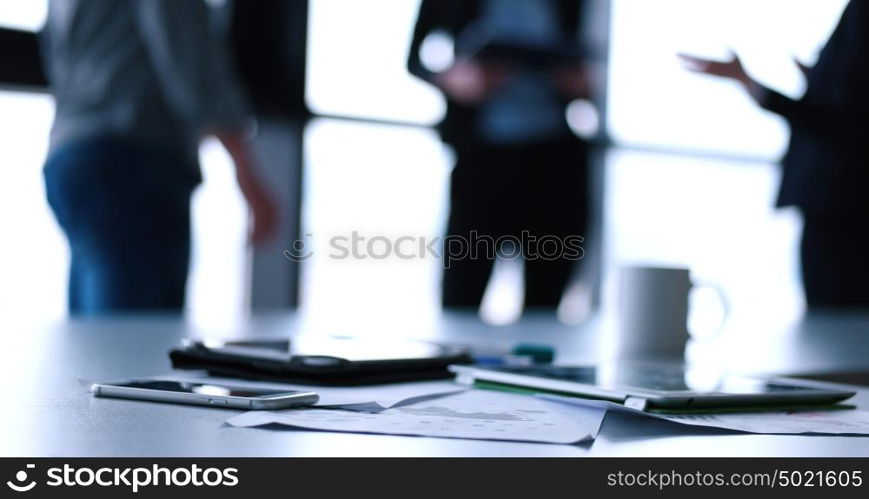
(473, 414)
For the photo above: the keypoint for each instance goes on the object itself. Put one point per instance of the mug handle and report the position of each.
(722, 298)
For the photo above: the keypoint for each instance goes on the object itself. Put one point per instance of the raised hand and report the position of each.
(731, 69)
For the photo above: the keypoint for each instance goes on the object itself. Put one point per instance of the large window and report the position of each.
(34, 253)
(654, 102)
(356, 62)
(700, 210)
(378, 182)
(27, 15)
(690, 182)
(672, 198)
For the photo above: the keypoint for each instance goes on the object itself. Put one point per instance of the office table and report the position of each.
(47, 412)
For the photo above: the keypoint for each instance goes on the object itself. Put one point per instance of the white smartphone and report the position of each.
(183, 392)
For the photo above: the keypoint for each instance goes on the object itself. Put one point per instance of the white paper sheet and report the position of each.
(838, 422)
(367, 398)
(835, 422)
(473, 414)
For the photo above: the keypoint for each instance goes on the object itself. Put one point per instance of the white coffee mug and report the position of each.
(653, 313)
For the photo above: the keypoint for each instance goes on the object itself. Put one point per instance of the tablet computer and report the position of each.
(530, 56)
(321, 360)
(653, 387)
(478, 43)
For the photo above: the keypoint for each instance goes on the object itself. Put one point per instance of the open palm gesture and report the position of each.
(731, 69)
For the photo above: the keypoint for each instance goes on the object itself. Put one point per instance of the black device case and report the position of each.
(317, 370)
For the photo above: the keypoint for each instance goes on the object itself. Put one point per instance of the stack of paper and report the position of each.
(474, 414)
(445, 409)
(830, 422)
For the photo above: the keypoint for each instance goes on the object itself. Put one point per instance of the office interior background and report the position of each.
(688, 175)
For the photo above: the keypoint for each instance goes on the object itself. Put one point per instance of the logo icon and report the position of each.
(20, 477)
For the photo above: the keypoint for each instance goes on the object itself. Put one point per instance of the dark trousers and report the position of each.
(125, 210)
(834, 254)
(524, 192)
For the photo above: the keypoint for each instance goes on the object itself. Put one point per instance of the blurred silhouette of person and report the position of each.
(826, 168)
(519, 168)
(137, 85)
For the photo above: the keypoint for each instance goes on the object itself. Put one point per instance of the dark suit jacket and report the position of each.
(826, 168)
(452, 17)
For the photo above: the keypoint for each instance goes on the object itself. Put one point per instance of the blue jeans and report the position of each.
(125, 209)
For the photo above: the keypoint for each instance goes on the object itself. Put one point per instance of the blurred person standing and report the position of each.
(520, 172)
(825, 172)
(137, 84)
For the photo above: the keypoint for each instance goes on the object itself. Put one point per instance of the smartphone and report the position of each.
(183, 392)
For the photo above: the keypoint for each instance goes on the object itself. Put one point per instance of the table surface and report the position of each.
(47, 412)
